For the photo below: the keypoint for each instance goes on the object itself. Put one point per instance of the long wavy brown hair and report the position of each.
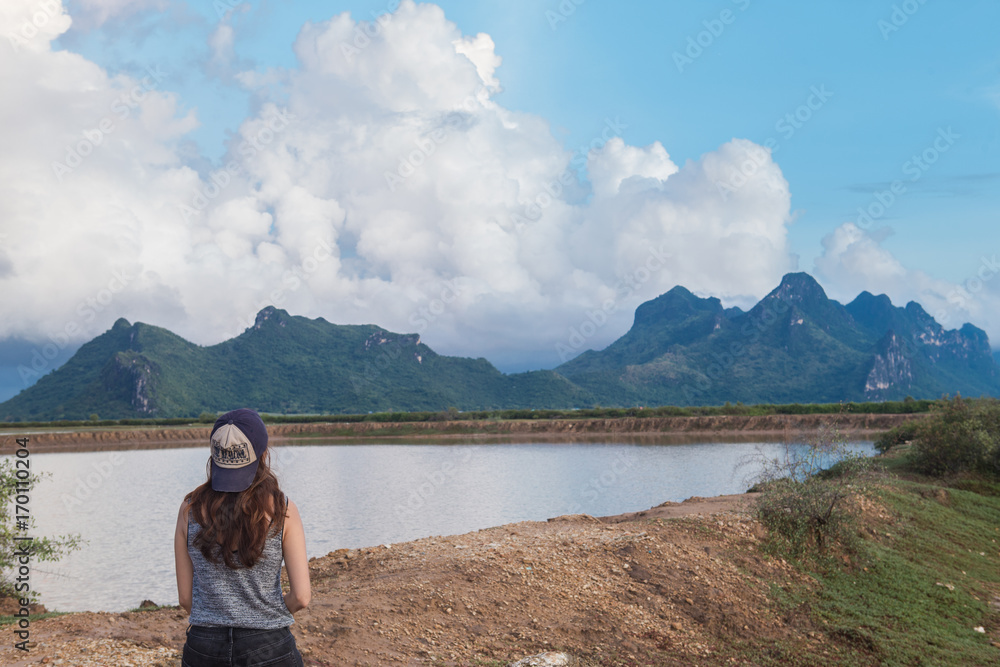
(235, 525)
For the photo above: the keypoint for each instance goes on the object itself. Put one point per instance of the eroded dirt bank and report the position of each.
(157, 437)
(681, 584)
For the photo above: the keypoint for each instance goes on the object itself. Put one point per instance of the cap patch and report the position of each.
(231, 448)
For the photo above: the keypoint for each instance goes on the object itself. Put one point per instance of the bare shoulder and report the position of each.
(293, 521)
(182, 517)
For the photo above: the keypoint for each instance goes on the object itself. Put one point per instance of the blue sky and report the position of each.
(893, 86)
(844, 94)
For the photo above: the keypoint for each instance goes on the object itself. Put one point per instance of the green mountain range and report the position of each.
(795, 345)
(281, 364)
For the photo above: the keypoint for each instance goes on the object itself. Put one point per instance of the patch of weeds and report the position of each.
(612, 659)
(896, 437)
(154, 607)
(10, 620)
(804, 496)
(793, 653)
(897, 462)
(979, 485)
(898, 608)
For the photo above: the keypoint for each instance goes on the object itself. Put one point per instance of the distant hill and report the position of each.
(795, 346)
(281, 364)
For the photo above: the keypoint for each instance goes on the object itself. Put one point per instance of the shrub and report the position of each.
(963, 437)
(12, 526)
(451, 414)
(804, 495)
(896, 436)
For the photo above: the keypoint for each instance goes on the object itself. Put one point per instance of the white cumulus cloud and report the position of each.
(854, 260)
(385, 185)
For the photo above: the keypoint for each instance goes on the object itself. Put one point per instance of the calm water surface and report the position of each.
(125, 503)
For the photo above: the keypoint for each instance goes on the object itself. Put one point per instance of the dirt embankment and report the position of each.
(680, 584)
(158, 437)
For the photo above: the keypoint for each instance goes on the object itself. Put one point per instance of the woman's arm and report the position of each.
(182, 560)
(293, 548)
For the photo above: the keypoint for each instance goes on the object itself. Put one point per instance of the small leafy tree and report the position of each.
(804, 493)
(12, 526)
(898, 435)
(963, 437)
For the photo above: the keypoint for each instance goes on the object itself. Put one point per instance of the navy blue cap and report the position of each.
(239, 438)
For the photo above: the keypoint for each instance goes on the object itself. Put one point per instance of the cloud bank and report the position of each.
(854, 260)
(377, 182)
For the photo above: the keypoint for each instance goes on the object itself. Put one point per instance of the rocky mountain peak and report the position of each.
(677, 304)
(272, 314)
(870, 303)
(799, 288)
(891, 369)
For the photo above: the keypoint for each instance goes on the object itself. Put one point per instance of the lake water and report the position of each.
(125, 503)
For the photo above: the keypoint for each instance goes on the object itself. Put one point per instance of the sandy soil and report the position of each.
(666, 586)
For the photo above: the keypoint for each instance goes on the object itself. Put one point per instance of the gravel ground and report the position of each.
(667, 586)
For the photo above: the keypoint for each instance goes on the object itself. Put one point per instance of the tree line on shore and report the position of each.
(907, 406)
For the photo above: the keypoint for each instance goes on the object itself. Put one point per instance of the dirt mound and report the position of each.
(634, 587)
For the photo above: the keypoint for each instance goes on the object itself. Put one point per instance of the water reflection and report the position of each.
(125, 503)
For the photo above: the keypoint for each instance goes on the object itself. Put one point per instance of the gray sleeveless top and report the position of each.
(242, 598)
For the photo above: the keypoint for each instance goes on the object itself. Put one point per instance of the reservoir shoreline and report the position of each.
(684, 429)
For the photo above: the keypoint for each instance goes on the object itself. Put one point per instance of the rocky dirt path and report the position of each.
(669, 585)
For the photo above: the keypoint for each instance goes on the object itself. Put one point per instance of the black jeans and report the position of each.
(239, 647)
